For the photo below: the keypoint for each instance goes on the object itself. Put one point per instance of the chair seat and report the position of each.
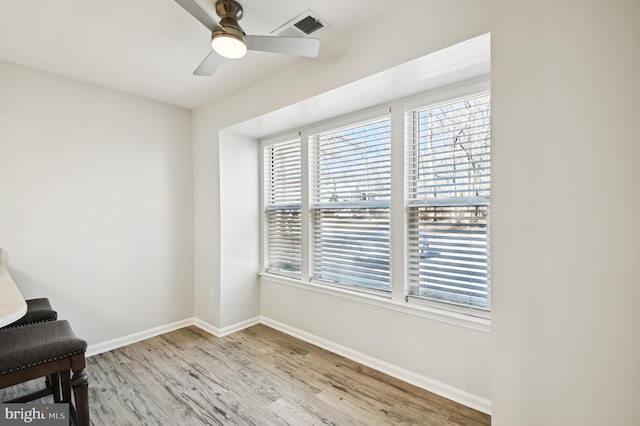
(30, 345)
(38, 310)
(47, 349)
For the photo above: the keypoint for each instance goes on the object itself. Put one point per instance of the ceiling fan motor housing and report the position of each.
(229, 9)
(230, 13)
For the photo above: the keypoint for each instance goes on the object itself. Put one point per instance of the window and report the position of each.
(329, 207)
(449, 192)
(282, 179)
(350, 171)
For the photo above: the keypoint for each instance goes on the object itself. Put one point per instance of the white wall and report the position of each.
(96, 205)
(565, 228)
(240, 231)
(361, 326)
(206, 218)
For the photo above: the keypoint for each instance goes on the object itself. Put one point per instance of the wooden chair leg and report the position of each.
(80, 384)
(48, 384)
(54, 383)
(65, 382)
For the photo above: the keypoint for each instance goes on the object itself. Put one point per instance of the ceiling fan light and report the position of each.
(228, 45)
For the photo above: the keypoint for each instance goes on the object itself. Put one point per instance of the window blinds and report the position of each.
(449, 191)
(282, 189)
(350, 195)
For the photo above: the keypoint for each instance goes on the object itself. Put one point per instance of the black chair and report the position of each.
(46, 349)
(38, 310)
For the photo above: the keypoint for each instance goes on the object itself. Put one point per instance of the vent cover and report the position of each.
(308, 25)
(300, 26)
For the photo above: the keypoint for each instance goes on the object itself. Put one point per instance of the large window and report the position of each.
(415, 179)
(350, 193)
(282, 183)
(448, 181)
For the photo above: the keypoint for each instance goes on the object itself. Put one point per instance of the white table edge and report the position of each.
(12, 304)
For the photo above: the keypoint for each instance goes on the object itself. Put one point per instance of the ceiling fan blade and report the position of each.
(209, 65)
(288, 45)
(197, 12)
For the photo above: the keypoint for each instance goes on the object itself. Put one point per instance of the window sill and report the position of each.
(427, 312)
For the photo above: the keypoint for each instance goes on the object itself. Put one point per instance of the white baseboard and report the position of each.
(221, 332)
(431, 385)
(434, 386)
(110, 345)
(209, 328)
(239, 326)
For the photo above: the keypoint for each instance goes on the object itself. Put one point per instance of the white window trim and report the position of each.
(447, 94)
(348, 119)
(399, 301)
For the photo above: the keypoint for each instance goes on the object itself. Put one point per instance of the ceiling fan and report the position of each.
(228, 40)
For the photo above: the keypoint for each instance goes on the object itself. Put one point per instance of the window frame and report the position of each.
(375, 206)
(264, 247)
(399, 298)
(432, 100)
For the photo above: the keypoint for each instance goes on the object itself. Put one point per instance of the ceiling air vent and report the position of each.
(308, 25)
(300, 26)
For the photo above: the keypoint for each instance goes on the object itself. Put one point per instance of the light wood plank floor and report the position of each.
(257, 376)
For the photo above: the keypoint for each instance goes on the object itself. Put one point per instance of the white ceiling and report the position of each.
(151, 47)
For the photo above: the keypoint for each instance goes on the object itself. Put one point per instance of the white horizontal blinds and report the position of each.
(282, 191)
(449, 189)
(350, 172)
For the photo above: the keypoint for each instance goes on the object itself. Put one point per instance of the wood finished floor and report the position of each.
(257, 376)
